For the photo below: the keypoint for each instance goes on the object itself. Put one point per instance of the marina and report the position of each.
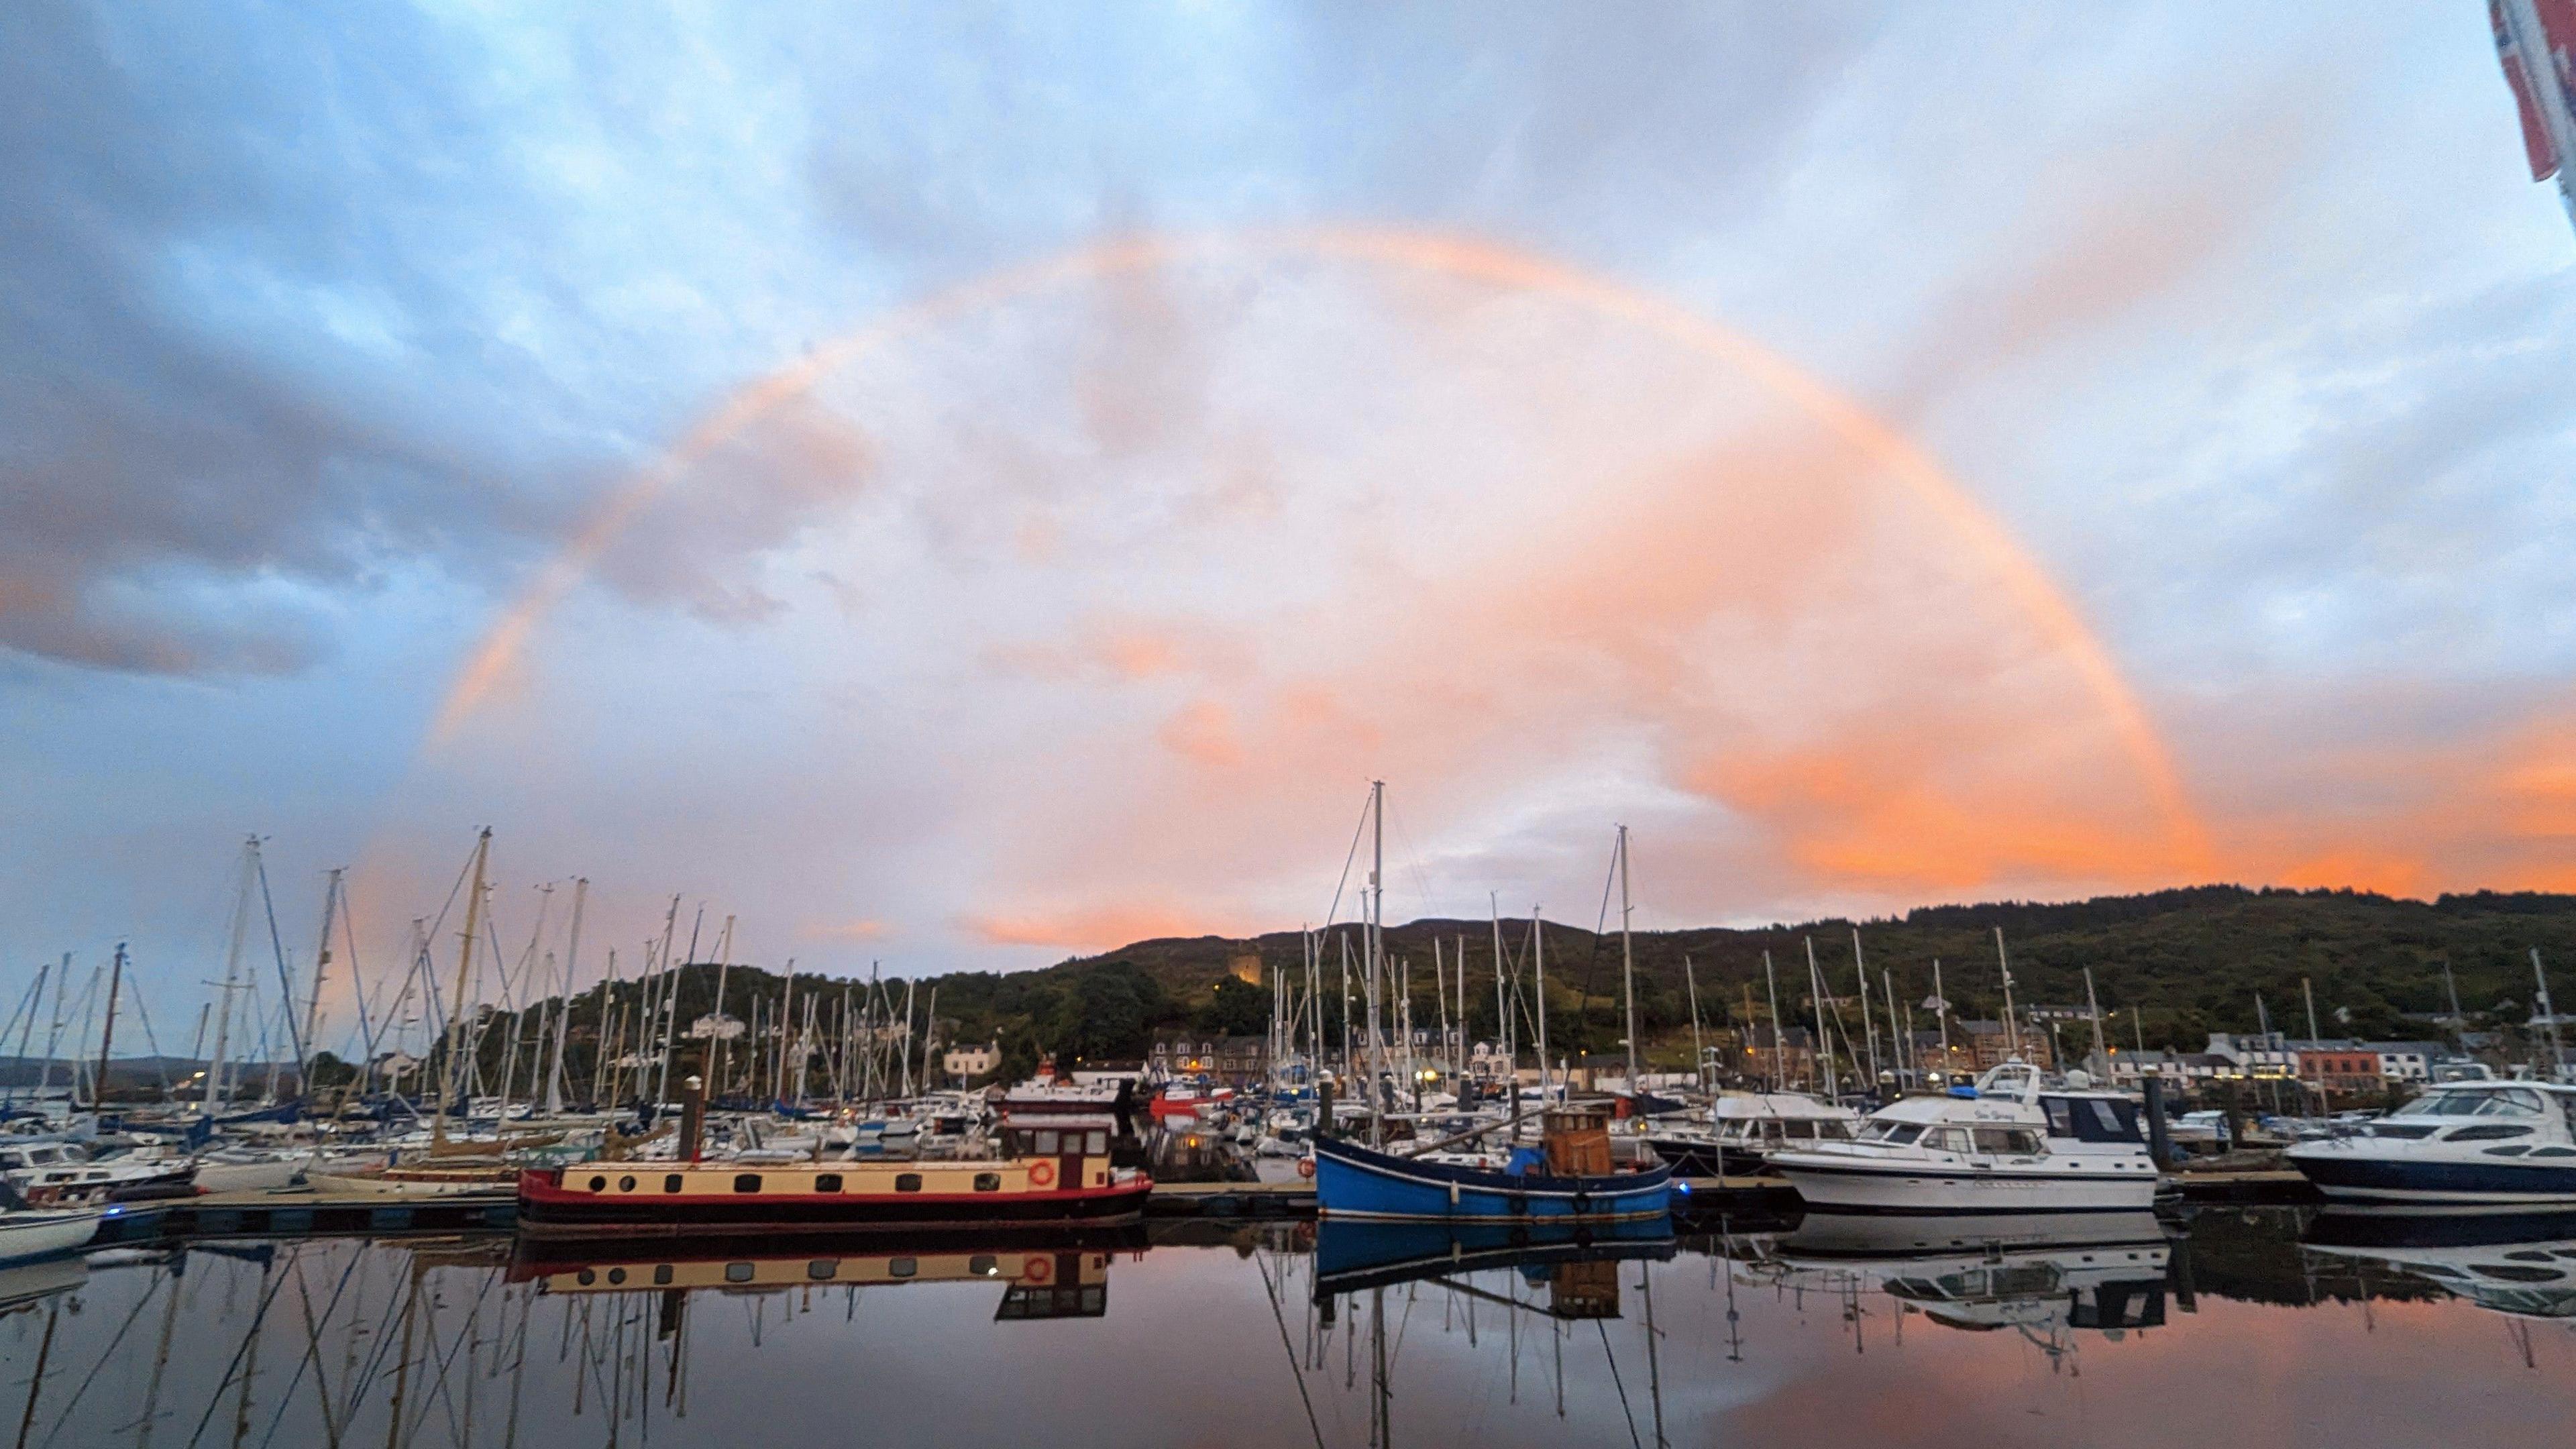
(1248, 726)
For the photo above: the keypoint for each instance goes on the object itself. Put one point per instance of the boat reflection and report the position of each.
(2045, 1276)
(1579, 1269)
(2519, 1264)
(1059, 1274)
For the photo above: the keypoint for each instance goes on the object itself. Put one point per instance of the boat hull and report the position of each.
(2350, 1176)
(415, 1182)
(1354, 1182)
(1701, 1157)
(262, 1176)
(39, 1233)
(545, 1206)
(1856, 1184)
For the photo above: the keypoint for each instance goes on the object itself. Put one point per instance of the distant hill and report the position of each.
(2176, 965)
(2170, 967)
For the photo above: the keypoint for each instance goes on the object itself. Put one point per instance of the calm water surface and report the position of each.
(2254, 1328)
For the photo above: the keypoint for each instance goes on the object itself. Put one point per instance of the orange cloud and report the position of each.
(859, 930)
(1084, 929)
(1203, 732)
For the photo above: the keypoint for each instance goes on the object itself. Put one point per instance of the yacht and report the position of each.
(2009, 1144)
(1744, 1128)
(2482, 1143)
(64, 1172)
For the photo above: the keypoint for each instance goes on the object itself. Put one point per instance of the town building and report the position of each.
(2345, 1069)
(1988, 1045)
(2408, 1061)
(965, 1063)
(1235, 1061)
(2255, 1054)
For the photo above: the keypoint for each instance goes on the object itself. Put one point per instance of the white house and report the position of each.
(965, 1062)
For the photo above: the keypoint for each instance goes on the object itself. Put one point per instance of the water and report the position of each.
(1206, 1334)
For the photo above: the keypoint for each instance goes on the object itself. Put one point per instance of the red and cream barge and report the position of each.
(1057, 1171)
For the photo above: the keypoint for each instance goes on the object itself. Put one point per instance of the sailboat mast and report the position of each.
(1699, 1053)
(464, 968)
(2093, 1010)
(321, 969)
(107, 1031)
(1898, 1047)
(563, 1009)
(232, 974)
(1375, 973)
(1628, 964)
(1868, 1023)
(1941, 1014)
(2548, 1019)
(1538, 966)
(1824, 1043)
(2012, 1033)
(1779, 1049)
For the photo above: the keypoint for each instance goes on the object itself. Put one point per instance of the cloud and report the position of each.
(1088, 928)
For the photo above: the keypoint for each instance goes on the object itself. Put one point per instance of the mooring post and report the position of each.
(693, 1117)
(2159, 1140)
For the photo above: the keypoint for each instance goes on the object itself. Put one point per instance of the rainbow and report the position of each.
(2024, 581)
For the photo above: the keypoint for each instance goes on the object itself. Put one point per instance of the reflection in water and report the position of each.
(1282, 1334)
(2521, 1265)
(2045, 1276)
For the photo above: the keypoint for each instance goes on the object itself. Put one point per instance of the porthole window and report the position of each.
(671, 1183)
(661, 1275)
(746, 1182)
(626, 1184)
(827, 1182)
(616, 1275)
(737, 1272)
(907, 1182)
(598, 1183)
(902, 1267)
(822, 1270)
(585, 1277)
(983, 1265)
(988, 1182)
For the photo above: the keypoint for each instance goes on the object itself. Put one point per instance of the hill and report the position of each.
(2170, 966)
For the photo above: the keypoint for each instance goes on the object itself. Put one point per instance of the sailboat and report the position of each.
(449, 1169)
(1567, 1178)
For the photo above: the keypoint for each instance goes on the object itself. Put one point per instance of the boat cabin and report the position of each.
(1762, 1121)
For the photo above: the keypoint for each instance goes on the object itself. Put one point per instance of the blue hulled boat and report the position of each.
(1352, 1181)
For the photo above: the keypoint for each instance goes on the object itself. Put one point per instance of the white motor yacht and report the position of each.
(1744, 1128)
(2010, 1144)
(2498, 1144)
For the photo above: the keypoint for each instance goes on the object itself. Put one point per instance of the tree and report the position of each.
(1238, 1008)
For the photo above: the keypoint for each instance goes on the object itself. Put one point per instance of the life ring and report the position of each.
(1305, 1167)
(1036, 1270)
(1041, 1174)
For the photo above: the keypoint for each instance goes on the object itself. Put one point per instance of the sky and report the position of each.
(960, 486)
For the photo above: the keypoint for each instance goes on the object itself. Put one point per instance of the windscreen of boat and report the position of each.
(2092, 1119)
(2491, 1102)
(1898, 1134)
